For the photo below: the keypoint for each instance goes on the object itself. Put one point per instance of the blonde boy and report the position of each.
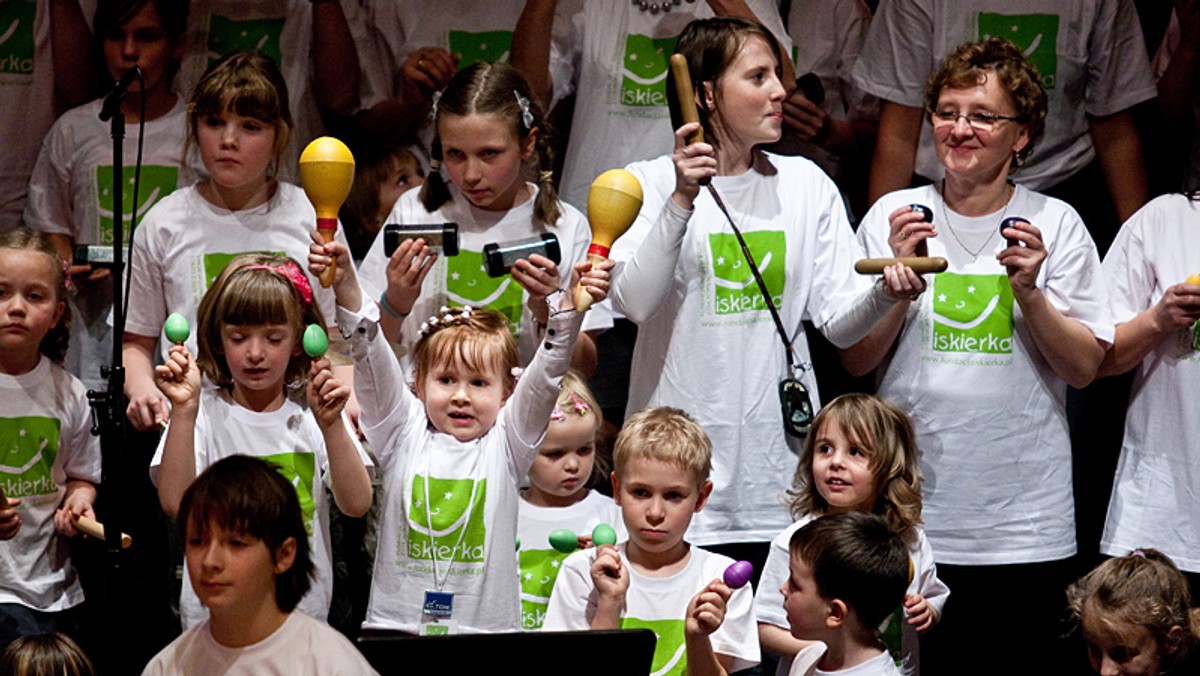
(656, 580)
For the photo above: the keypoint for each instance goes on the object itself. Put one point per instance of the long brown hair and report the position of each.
(495, 89)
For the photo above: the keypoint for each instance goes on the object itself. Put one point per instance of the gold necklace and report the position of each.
(946, 215)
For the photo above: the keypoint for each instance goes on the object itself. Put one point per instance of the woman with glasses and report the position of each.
(982, 359)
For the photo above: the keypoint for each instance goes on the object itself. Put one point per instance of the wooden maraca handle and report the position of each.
(327, 276)
(686, 96)
(583, 299)
(96, 529)
(919, 264)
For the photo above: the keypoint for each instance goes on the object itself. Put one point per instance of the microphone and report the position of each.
(112, 102)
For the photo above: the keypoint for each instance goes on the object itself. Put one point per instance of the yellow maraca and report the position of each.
(613, 203)
(326, 174)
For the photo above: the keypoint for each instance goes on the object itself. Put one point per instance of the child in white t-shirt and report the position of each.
(454, 454)
(248, 560)
(559, 497)
(50, 464)
(71, 188)
(656, 579)
(848, 572)
(272, 400)
(860, 456)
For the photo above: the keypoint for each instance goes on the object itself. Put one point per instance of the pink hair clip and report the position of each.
(291, 272)
(557, 415)
(68, 285)
(581, 406)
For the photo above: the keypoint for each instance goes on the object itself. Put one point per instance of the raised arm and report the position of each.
(336, 72)
(179, 380)
(78, 77)
(1119, 149)
(531, 46)
(349, 481)
(895, 149)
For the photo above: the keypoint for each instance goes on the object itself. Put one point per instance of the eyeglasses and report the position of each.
(979, 121)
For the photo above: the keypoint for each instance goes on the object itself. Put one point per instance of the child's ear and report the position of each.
(285, 556)
(529, 144)
(838, 613)
(706, 96)
(1175, 636)
(705, 492)
(616, 484)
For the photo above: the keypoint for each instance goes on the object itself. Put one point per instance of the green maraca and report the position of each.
(315, 341)
(177, 328)
(604, 534)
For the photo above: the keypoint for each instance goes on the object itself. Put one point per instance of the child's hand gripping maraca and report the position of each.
(179, 377)
(327, 174)
(327, 395)
(613, 203)
(706, 611)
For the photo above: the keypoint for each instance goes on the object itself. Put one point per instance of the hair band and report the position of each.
(437, 96)
(546, 176)
(1138, 553)
(292, 273)
(68, 285)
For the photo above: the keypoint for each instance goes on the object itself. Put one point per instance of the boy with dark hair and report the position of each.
(849, 571)
(248, 560)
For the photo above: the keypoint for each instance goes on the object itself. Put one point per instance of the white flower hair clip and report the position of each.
(526, 113)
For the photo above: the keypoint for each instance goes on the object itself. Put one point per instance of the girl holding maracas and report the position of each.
(707, 341)
(491, 137)
(560, 497)
(277, 398)
(238, 120)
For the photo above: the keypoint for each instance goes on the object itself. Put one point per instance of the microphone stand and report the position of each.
(108, 407)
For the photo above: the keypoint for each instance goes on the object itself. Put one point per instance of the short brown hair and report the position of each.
(973, 62)
(668, 435)
(250, 291)
(249, 84)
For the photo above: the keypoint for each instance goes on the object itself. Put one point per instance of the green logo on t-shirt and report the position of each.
(156, 182)
(455, 512)
(1035, 34)
(891, 634)
(539, 570)
(644, 72)
(467, 283)
(16, 37)
(226, 36)
(487, 46)
(670, 648)
(736, 290)
(299, 469)
(214, 263)
(28, 447)
(972, 313)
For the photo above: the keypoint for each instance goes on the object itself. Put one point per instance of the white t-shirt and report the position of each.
(27, 100)
(472, 30)
(462, 280)
(70, 193)
(539, 562)
(768, 602)
(985, 404)
(449, 519)
(1090, 54)
(827, 36)
(1155, 496)
(45, 427)
(185, 241)
(281, 30)
(660, 605)
(712, 348)
(302, 646)
(291, 440)
(614, 57)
